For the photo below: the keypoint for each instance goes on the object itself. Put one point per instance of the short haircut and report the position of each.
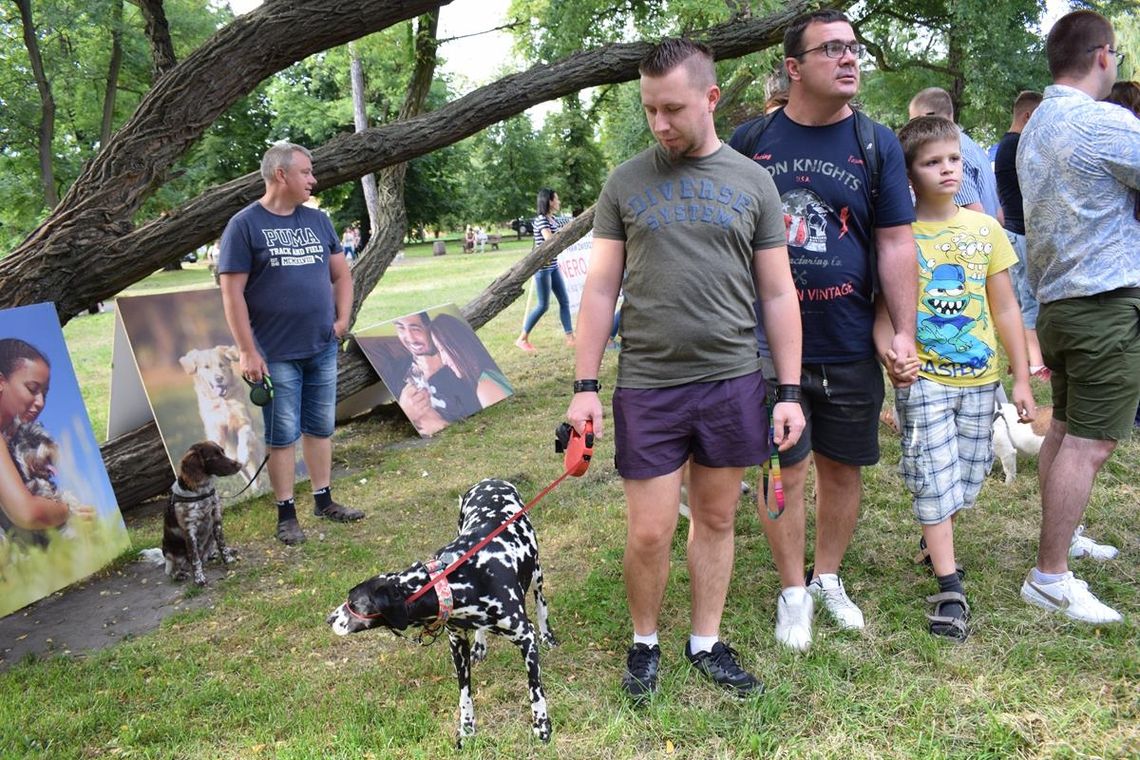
(924, 130)
(672, 52)
(1072, 38)
(1126, 94)
(933, 101)
(794, 34)
(280, 156)
(542, 203)
(1026, 100)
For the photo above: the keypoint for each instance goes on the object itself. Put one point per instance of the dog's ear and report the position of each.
(190, 361)
(192, 468)
(230, 352)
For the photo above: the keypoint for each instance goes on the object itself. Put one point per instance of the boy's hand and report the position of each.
(1023, 402)
(902, 371)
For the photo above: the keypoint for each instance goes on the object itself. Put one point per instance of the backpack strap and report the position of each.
(746, 138)
(873, 160)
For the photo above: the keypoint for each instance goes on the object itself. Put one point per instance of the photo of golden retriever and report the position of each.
(223, 405)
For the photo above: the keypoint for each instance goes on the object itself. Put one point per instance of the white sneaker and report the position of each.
(828, 589)
(1083, 546)
(1070, 596)
(794, 608)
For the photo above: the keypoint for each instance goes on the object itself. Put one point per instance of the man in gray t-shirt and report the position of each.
(697, 230)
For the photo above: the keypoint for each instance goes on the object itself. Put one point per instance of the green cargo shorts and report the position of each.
(1092, 345)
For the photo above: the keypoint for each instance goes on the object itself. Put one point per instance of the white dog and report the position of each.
(222, 404)
(1012, 437)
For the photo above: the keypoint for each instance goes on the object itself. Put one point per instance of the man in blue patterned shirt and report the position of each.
(1079, 162)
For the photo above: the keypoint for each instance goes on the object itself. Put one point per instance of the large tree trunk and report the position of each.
(55, 262)
(47, 104)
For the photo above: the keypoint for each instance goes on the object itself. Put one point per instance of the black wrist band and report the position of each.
(788, 393)
(584, 386)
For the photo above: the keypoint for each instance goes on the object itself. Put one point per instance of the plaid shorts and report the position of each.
(947, 445)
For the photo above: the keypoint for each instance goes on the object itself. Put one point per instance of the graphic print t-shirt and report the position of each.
(955, 330)
(690, 229)
(826, 194)
(288, 293)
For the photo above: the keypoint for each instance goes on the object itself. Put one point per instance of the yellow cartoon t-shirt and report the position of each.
(955, 332)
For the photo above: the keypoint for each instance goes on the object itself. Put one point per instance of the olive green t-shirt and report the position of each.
(690, 229)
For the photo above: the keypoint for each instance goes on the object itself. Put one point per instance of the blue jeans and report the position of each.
(546, 280)
(304, 398)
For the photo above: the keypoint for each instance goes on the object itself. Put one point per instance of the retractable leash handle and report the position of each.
(577, 448)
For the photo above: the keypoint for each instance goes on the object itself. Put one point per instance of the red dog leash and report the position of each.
(577, 448)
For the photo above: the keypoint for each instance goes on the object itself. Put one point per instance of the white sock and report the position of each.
(649, 640)
(701, 643)
(1040, 577)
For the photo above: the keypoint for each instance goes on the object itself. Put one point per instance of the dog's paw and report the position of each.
(549, 639)
(229, 556)
(200, 579)
(542, 729)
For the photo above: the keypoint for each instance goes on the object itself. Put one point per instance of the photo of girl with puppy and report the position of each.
(58, 517)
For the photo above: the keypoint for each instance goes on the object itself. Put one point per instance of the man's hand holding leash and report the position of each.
(787, 423)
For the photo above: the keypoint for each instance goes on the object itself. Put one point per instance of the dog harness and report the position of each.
(435, 567)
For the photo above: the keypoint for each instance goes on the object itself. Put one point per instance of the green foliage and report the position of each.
(75, 41)
(1000, 55)
(509, 165)
(574, 155)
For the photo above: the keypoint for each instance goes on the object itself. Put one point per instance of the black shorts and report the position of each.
(841, 404)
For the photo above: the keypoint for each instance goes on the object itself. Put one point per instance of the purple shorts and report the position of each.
(723, 423)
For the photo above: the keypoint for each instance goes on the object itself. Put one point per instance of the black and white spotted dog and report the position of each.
(192, 529)
(488, 593)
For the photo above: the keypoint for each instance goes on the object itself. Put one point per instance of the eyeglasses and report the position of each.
(1117, 54)
(834, 49)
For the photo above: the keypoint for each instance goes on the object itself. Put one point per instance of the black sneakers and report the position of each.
(640, 679)
(722, 668)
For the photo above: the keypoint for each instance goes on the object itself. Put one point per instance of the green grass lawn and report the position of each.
(256, 673)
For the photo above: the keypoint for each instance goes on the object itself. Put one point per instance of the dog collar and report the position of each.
(180, 496)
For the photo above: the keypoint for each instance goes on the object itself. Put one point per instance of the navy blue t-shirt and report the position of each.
(826, 193)
(289, 293)
(1009, 188)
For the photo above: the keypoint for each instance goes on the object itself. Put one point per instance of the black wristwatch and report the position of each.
(789, 393)
(587, 386)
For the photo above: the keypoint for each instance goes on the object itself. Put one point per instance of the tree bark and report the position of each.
(47, 104)
(54, 263)
(158, 33)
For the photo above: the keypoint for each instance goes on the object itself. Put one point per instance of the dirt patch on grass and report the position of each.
(102, 610)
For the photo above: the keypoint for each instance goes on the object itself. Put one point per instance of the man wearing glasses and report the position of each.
(845, 235)
(1079, 165)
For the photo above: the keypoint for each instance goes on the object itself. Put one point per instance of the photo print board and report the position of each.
(435, 366)
(184, 357)
(51, 453)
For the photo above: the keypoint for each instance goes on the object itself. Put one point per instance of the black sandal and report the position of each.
(923, 558)
(338, 513)
(953, 628)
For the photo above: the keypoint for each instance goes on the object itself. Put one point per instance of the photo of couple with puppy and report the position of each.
(435, 366)
(59, 520)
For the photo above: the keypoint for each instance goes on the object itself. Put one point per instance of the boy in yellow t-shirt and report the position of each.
(946, 414)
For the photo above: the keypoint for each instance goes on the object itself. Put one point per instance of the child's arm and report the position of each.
(901, 372)
(1011, 332)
